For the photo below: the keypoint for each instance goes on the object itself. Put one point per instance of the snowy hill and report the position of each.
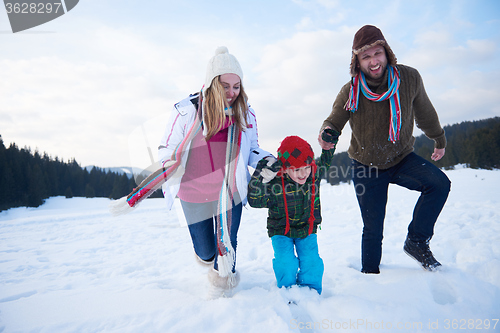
(69, 266)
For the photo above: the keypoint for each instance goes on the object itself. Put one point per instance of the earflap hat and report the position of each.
(222, 63)
(295, 152)
(365, 38)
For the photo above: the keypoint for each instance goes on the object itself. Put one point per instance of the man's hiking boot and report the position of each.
(421, 252)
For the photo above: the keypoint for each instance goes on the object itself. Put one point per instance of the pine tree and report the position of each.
(36, 187)
(89, 191)
(68, 193)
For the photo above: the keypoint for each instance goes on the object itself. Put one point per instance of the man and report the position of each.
(382, 102)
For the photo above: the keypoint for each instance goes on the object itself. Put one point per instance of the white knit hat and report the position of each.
(222, 63)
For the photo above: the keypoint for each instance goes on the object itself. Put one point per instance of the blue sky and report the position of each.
(98, 83)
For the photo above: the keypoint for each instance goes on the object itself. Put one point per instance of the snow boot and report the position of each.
(421, 252)
(204, 263)
(222, 286)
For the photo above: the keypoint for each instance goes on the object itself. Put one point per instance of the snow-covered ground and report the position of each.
(69, 266)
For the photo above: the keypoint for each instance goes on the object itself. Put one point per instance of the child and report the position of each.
(293, 218)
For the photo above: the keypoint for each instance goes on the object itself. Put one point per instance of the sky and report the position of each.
(98, 84)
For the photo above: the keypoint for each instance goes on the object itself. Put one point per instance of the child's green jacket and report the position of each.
(298, 197)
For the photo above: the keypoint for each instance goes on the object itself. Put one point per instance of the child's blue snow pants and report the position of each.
(306, 270)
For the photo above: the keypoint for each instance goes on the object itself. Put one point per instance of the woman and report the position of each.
(214, 134)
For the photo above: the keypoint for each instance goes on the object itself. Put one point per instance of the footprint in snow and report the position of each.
(442, 292)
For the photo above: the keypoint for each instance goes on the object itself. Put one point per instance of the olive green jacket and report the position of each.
(370, 123)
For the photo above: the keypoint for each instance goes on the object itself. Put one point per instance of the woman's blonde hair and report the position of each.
(214, 104)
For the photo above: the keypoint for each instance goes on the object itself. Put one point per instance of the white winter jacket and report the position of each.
(182, 118)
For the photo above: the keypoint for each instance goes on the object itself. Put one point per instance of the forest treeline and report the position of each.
(27, 178)
(473, 143)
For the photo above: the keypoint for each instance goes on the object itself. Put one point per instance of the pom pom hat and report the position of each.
(295, 152)
(222, 63)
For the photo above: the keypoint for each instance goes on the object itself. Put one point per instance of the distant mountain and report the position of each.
(129, 171)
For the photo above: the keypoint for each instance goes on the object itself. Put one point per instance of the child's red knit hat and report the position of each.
(295, 152)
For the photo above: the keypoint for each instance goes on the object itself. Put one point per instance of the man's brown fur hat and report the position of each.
(365, 38)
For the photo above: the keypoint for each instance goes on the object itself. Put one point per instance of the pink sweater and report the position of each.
(205, 168)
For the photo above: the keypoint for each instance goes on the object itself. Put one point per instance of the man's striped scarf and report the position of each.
(226, 252)
(392, 94)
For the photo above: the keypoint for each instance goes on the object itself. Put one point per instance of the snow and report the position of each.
(69, 266)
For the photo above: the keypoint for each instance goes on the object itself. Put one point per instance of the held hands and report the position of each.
(328, 138)
(270, 170)
(438, 154)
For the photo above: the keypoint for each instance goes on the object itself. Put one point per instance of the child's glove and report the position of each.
(330, 135)
(270, 170)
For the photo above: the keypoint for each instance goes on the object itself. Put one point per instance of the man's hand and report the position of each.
(438, 154)
(328, 138)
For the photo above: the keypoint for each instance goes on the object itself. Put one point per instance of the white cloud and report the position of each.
(87, 104)
(460, 75)
(76, 110)
(298, 79)
(304, 23)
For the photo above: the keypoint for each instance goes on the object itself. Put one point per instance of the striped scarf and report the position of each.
(226, 252)
(392, 94)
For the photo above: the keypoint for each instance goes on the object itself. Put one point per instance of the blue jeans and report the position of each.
(306, 270)
(201, 222)
(371, 185)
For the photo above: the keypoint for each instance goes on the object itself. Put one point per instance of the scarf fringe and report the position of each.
(225, 264)
(120, 207)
